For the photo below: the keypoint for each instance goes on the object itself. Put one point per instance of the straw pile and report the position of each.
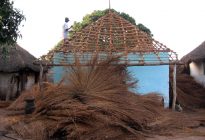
(175, 123)
(190, 94)
(34, 93)
(19, 103)
(4, 104)
(94, 104)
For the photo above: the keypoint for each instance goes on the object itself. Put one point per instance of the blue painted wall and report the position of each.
(150, 78)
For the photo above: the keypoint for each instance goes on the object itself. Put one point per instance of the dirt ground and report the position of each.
(195, 132)
(5, 122)
(189, 134)
(186, 125)
(178, 137)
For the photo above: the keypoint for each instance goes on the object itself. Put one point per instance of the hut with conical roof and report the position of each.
(195, 62)
(146, 59)
(17, 72)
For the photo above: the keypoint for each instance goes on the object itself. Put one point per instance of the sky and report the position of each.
(178, 24)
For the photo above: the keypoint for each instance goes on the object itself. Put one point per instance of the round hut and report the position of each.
(17, 72)
(195, 62)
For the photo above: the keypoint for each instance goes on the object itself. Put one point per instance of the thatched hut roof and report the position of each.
(14, 58)
(198, 54)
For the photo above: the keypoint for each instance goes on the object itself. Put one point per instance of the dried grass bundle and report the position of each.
(4, 104)
(173, 123)
(33, 130)
(34, 92)
(190, 94)
(96, 104)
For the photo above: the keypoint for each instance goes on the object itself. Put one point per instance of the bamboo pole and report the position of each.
(174, 88)
(127, 64)
(41, 78)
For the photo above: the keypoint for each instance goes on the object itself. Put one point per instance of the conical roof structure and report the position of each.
(16, 59)
(112, 34)
(198, 54)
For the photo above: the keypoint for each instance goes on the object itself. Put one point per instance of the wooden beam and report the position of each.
(174, 88)
(125, 63)
(41, 79)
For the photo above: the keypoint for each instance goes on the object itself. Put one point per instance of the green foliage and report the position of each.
(144, 29)
(10, 19)
(87, 19)
(94, 16)
(128, 17)
(4, 48)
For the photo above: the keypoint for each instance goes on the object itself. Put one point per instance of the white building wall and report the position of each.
(197, 70)
(6, 87)
(30, 81)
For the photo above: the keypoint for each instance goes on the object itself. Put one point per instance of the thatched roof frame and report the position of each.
(14, 59)
(112, 34)
(198, 54)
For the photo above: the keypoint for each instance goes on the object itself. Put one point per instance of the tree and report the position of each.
(10, 19)
(89, 18)
(144, 29)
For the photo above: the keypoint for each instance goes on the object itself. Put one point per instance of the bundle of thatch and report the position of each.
(94, 104)
(190, 94)
(4, 104)
(19, 103)
(176, 123)
(33, 93)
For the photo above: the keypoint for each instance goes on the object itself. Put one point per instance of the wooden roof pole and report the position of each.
(124, 38)
(88, 38)
(41, 79)
(98, 37)
(110, 31)
(174, 88)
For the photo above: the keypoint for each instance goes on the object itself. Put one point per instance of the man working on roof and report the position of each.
(66, 30)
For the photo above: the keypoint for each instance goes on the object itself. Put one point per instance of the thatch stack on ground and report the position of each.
(33, 93)
(186, 123)
(95, 104)
(190, 94)
(4, 104)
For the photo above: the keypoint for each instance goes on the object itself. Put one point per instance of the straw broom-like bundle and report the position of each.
(96, 104)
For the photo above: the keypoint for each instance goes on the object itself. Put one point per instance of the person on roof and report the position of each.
(66, 30)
